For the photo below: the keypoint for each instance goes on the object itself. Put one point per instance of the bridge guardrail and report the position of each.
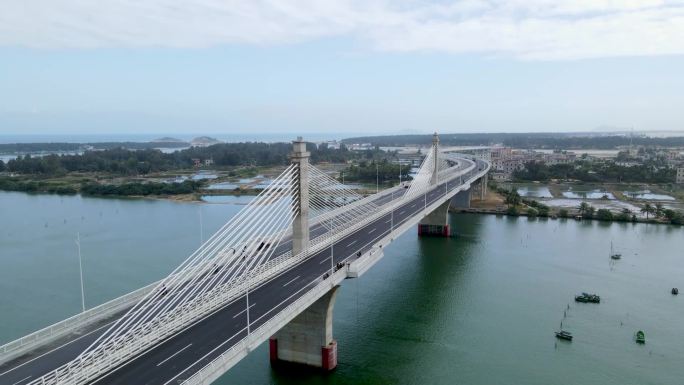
(55, 331)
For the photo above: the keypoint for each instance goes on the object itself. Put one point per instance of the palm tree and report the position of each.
(513, 198)
(583, 208)
(647, 209)
(659, 210)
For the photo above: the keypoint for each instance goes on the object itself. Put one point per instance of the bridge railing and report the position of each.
(60, 329)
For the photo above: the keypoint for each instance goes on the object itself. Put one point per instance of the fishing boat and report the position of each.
(640, 337)
(588, 298)
(614, 255)
(675, 291)
(564, 335)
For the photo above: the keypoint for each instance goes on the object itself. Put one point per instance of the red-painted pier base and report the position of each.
(433, 230)
(328, 356)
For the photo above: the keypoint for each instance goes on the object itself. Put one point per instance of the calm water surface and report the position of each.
(480, 308)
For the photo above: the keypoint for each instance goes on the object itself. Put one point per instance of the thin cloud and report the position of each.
(525, 29)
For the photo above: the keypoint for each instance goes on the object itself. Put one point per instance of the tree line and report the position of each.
(120, 161)
(382, 171)
(14, 148)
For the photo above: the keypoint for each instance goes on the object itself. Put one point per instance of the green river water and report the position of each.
(480, 308)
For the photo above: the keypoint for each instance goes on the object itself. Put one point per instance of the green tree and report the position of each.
(512, 198)
(543, 210)
(582, 208)
(563, 213)
(532, 212)
(647, 209)
(604, 215)
(589, 212)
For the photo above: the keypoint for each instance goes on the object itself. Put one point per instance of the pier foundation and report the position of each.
(307, 339)
(436, 224)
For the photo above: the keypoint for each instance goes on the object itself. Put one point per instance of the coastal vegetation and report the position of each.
(516, 205)
(23, 148)
(120, 161)
(123, 172)
(587, 171)
(383, 171)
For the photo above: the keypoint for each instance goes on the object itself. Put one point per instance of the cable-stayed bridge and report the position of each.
(270, 273)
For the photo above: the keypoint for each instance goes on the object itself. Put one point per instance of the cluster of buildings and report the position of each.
(505, 160)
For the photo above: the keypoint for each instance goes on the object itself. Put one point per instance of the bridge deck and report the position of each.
(188, 351)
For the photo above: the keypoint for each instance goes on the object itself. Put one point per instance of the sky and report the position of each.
(353, 67)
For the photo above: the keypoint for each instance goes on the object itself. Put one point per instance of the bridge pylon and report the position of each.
(300, 225)
(435, 154)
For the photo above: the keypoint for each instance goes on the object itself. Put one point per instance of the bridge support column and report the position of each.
(461, 200)
(308, 339)
(480, 188)
(300, 225)
(436, 224)
(483, 187)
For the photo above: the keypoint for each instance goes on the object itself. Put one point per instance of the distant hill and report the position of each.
(204, 141)
(168, 139)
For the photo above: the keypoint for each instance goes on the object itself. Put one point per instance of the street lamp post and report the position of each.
(80, 269)
(399, 172)
(377, 178)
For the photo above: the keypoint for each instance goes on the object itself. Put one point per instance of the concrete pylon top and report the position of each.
(299, 149)
(435, 139)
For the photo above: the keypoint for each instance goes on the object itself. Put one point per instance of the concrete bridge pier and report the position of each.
(480, 188)
(308, 339)
(436, 224)
(461, 200)
(483, 187)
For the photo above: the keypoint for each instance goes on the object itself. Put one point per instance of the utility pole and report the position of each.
(80, 269)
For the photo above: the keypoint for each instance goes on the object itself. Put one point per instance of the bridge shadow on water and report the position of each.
(394, 320)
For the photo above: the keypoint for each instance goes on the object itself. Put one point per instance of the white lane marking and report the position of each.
(351, 244)
(402, 211)
(238, 314)
(23, 379)
(57, 348)
(292, 280)
(371, 231)
(205, 356)
(390, 221)
(174, 354)
(414, 205)
(324, 260)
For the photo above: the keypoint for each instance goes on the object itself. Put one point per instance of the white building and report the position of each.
(680, 175)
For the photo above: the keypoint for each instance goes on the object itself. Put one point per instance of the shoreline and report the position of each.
(497, 212)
